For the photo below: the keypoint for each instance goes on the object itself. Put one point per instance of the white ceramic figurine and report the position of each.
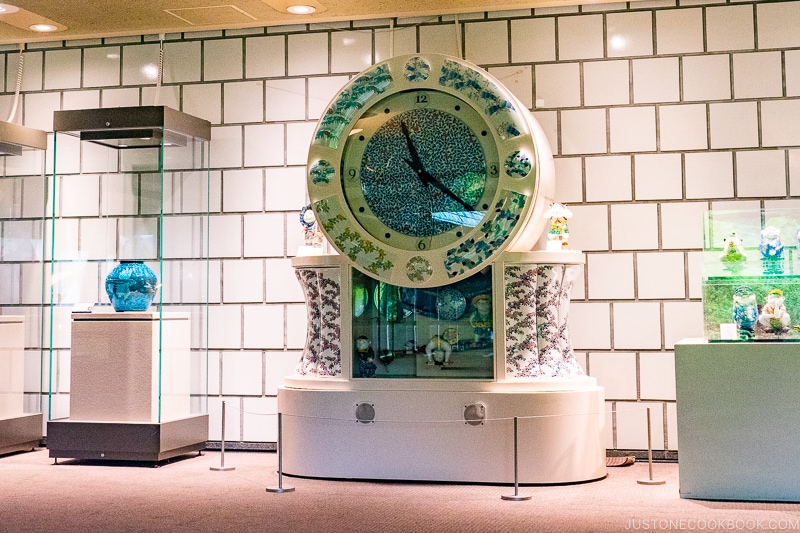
(774, 316)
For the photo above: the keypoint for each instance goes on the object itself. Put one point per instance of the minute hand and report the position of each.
(427, 179)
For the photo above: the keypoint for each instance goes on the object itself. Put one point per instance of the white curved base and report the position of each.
(421, 435)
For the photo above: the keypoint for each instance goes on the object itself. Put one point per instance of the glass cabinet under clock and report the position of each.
(438, 332)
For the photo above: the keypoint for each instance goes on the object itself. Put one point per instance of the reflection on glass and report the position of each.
(439, 332)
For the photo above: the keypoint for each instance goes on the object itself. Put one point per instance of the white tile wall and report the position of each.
(658, 176)
(709, 175)
(351, 51)
(182, 62)
(62, 69)
(637, 325)
(652, 110)
(683, 127)
(608, 178)
(589, 227)
(308, 53)
(242, 373)
(558, 85)
(682, 225)
(760, 173)
(660, 275)
(590, 325)
(656, 80)
(199, 100)
(569, 180)
(583, 131)
(733, 124)
(610, 276)
(633, 129)
(439, 39)
(262, 324)
(243, 101)
(580, 37)
(222, 59)
(657, 372)
(778, 127)
(679, 31)
(729, 28)
(606, 83)
(777, 22)
(243, 190)
(265, 57)
(533, 40)
(518, 80)
(631, 425)
(629, 34)
(634, 226)
(286, 100)
(486, 42)
(706, 77)
(757, 75)
(616, 372)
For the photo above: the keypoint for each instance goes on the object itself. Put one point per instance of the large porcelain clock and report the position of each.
(424, 168)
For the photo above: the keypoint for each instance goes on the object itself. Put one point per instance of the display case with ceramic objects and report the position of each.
(22, 189)
(127, 273)
(751, 275)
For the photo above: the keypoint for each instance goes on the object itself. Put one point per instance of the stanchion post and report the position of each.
(222, 467)
(516, 496)
(650, 480)
(280, 488)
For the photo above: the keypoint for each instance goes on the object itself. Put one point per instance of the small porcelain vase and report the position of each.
(131, 286)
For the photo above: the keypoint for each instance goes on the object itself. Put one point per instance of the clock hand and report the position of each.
(416, 162)
(427, 179)
(416, 165)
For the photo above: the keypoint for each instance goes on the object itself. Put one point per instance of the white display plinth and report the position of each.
(19, 430)
(738, 421)
(117, 374)
(12, 365)
(118, 384)
(420, 429)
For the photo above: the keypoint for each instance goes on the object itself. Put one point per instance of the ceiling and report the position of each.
(90, 19)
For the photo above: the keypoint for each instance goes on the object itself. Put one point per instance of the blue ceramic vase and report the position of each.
(131, 286)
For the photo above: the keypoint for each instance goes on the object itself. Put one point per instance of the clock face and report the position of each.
(420, 170)
(424, 168)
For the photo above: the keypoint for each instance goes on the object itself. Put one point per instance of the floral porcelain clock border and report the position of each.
(513, 203)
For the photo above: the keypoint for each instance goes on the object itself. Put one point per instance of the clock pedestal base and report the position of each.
(423, 435)
(432, 419)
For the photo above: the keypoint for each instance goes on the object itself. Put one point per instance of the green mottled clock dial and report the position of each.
(420, 169)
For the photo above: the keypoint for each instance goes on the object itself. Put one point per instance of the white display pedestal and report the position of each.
(122, 392)
(423, 429)
(738, 420)
(18, 430)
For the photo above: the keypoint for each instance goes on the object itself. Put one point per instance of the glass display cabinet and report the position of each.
(127, 274)
(438, 332)
(22, 178)
(751, 275)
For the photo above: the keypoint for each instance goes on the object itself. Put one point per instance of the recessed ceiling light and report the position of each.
(5, 9)
(301, 10)
(43, 27)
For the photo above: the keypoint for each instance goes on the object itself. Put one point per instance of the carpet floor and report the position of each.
(186, 496)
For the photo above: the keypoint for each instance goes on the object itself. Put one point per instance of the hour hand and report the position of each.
(427, 179)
